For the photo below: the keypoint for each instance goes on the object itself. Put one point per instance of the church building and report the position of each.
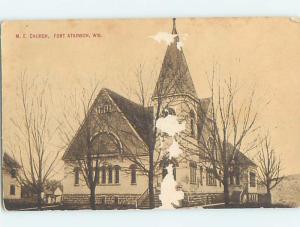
(123, 136)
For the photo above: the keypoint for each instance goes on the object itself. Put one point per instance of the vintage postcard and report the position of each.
(150, 113)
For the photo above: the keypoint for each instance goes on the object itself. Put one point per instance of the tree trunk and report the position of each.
(93, 197)
(226, 189)
(269, 197)
(39, 200)
(150, 180)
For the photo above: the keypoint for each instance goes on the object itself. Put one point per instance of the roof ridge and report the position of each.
(129, 100)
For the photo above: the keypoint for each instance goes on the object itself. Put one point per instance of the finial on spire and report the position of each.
(174, 26)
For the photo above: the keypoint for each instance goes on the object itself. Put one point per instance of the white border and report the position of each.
(95, 9)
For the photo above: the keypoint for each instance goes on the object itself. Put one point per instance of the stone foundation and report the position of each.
(200, 199)
(101, 199)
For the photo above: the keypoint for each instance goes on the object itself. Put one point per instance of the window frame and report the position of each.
(252, 179)
(193, 172)
(103, 175)
(12, 189)
(133, 174)
(110, 175)
(117, 174)
(210, 178)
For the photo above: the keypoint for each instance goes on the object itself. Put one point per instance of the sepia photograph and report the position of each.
(139, 114)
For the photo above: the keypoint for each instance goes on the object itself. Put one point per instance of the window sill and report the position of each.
(133, 183)
(76, 185)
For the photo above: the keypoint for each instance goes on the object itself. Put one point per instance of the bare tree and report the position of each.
(229, 124)
(79, 121)
(225, 126)
(33, 135)
(269, 166)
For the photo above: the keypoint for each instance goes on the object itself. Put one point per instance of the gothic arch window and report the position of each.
(252, 179)
(133, 173)
(106, 143)
(192, 123)
(103, 175)
(117, 174)
(110, 174)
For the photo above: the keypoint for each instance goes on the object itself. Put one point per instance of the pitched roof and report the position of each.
(10, 162)
(140, 118)
(242, 159)
(174, 77)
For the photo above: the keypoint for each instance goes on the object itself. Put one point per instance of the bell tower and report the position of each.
(174, 91)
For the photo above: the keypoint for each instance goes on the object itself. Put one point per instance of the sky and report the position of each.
(259, 53)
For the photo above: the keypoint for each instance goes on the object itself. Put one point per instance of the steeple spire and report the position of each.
(174, 31)
(174, 77)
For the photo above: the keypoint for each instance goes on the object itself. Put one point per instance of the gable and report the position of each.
(128, 124)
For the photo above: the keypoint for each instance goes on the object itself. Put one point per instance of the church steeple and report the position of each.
(174, 77)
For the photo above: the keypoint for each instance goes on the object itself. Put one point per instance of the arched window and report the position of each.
(117, 174)
(192, 123)
(133, 174)
(106, 143)
(110, 175)
(193, 172)
(252, 179)
(103, 175)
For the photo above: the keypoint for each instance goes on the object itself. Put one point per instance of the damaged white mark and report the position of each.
(170, 125)
(174, 150)
(179, 45)
(168, 38)
(164, 37)
(295, 19)
(170, 195)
